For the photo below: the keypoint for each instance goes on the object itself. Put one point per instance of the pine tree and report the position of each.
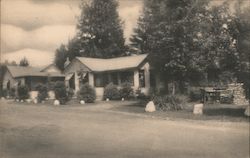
(100, 30)
(24, 62)
(61, 56)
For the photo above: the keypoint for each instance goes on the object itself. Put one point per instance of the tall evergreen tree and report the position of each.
(61, 56)
(166, 32)
(100, 30)
(24, 62)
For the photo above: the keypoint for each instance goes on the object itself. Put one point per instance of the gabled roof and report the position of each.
(22, 71)
(45, 69)
(112, 64)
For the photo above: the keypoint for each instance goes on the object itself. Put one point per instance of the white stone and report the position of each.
(122, 99)
(2, 98)
(247, 111)
(198, 109)
(21, 101)
(150, 107)
(56, 102)
(35, 101)
(107, 99)
(82, 102)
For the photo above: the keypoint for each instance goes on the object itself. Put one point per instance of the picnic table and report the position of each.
(211, 94)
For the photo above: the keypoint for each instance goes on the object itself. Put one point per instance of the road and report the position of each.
(28, 131)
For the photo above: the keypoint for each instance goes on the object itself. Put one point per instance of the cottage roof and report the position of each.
(112, 64)
(22, 71)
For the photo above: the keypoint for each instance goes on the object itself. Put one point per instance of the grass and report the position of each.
(216, 112)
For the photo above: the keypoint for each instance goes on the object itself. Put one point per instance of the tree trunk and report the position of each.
(174, 88)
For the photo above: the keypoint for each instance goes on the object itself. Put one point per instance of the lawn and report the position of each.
(111, 130)
(216, 112)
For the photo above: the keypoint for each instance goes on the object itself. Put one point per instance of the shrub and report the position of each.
(12, 93)
(70, 93)
(4, 93)
(23, 92)
(126, 91)
(87, 93)
(111, 91)
(60, 92)
(169, 102)
(195, 95)
(42, 92)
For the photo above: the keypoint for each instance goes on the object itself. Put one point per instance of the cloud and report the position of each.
(130, 15)
(35, 57)
(45, 38)
(28, 15)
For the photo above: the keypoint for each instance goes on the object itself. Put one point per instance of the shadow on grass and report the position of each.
(231, 112)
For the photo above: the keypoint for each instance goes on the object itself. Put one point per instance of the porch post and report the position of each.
(119, 78)
(91, 79)
(147, 79)
(136, 79)
(77, 86)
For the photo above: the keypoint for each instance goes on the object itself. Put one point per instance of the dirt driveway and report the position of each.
(42, 131)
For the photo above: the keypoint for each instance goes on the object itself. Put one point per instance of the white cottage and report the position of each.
(100, 72)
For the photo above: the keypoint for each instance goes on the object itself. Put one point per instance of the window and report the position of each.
(114, 78)
(84, 77)
(127, 76)
(100, 79)
(141, 78)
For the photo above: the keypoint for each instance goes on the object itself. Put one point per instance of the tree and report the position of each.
(240, 30)
(61, 56)
(166, 31)
(100, 30)
(24, 62)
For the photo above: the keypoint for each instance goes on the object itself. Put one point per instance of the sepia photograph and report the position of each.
(125, 79)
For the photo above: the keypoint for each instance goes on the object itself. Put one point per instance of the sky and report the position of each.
(36, 28)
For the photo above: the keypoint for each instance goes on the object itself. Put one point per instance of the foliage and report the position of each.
(23, 92)
(61, 56)
(195, 95)
(60, 92)
(3, 93)
(42, 92)
(169, 102)
(87, 93)
(24, 62)
(194, 40)
(12, 92)
(70, 93)
(100, 29)
(126, 91)
(111, 92)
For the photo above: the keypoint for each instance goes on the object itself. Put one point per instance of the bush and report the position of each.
(195, 95)
(87, 93)
(42, 92)
(111, 91)
(126, 91)
(12, 93)
(60, 92)
(23, 92)
(4, 93)
(169, 102)
(70, 93)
